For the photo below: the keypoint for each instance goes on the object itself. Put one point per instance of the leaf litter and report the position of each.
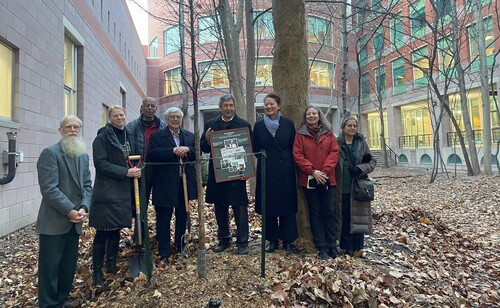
(433, 245)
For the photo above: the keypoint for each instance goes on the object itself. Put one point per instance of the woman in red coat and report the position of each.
(316, 154)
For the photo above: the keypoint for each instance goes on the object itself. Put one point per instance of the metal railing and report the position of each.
(415, 141)
(452, 137)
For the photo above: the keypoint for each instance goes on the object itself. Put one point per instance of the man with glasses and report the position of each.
(141, 129)
(228, 193)
(66, 188)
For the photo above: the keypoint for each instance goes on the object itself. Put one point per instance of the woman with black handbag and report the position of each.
(316, 153)
(356, 162)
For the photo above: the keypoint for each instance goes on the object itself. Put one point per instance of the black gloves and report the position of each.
(354, 171)
(366, 158)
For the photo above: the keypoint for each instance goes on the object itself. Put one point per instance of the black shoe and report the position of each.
(289, 247)
(222, 247)
(333, 252)
(273, 245)
(323, 254)
(98, 279)
(242, 250)
(349, 252)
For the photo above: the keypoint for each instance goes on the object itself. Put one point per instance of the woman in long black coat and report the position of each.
(111, 204)
(275, 134)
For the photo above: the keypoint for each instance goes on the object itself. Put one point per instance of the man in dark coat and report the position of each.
(141, 130)
(174, 146)
(66, 187)
(224, 194)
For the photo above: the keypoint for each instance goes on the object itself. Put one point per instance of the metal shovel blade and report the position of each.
(137, 264)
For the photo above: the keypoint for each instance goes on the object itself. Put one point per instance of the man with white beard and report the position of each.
(66, 187)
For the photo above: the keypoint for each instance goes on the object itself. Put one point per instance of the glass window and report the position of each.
(153, 48)
(378, 42)
(363, 51)
(396, 27)
(173, 81)
(361, 12)
(214, 75)
(264, 76)
(416, 122)
(445, 58)
(319, 31)
(171, 40)
(398, 76)
(264, 28)
(444, 10)
(421, 69)
(374, 129)
(321, 74)
(104, 115)
(365, 87)
(417, 18)
(489, 42)
(471, 4)
(70, 73)
(380, 81)
(6, 73)
(207, 27)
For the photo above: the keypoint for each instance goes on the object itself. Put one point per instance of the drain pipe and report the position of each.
(10, 156)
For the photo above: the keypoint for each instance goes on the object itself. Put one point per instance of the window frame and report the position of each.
(168, 40)
(7, 81)
(397, 86)
(316, 24)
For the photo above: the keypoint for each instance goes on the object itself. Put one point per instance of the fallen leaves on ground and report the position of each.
(433, 245)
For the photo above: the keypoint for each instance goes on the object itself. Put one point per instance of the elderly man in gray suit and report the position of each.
(66, 187)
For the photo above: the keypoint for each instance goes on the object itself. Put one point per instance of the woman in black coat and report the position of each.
(275, 134)
(111, 205)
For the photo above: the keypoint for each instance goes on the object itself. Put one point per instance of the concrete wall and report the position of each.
(110, 60)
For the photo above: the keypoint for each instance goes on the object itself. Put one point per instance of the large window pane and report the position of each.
(153, 48)
(173, 81)
(446, 61)
(378, 42)
(6, 71)
(264, 28)
(365, 87)
(214, 75)
(417, 18)
(207, 28)
(396, 27)
(363, 51)
(374, 130)
(319, 31)
(488, 42)
(398, 76)
(171, 40)
(421, 60)
(70, 73)
(380, 81)
(321, 74)
(264, 76)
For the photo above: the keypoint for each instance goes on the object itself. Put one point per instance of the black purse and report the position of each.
(363, 188)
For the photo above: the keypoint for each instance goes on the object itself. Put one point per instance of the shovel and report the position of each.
(186, 198)
(137, 263)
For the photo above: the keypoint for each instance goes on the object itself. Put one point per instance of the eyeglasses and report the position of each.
(149, 106)
(75, 127)
(175, 117)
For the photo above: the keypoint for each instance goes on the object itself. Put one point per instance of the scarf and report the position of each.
(315, 131)
(272, 125)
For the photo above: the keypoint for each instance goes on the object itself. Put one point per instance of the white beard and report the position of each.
(72, 146)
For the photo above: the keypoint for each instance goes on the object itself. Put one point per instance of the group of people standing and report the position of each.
(323, 165)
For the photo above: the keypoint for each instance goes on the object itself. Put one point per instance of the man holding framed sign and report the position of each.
(231, 191)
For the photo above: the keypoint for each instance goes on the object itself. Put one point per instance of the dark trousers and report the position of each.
(163, 217)
(56, 267)
(241, 219)
(281, 227)
(321, 205)
(349, 241)
(108, 240)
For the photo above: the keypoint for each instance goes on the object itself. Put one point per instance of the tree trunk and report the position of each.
(290, 74)
(250, 65)
(483, 72)
(231, 32)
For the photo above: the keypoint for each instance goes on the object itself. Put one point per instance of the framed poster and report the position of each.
(232, 154)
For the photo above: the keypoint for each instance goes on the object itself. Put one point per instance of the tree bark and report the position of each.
(290, 74)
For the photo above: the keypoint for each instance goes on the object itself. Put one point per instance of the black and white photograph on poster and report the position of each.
(231, 143)
(232, 154)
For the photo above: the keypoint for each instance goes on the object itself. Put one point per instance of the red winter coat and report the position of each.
(310, 156)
